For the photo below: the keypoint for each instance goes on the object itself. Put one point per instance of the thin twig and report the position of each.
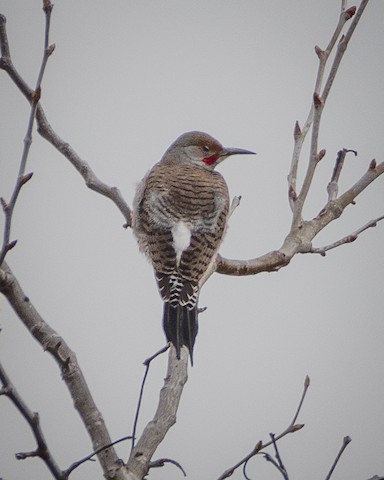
(147, 364)
(47, 132)
(333, 185)
(234, 204)
(342, 46)
(156, 354)
(42, 451)
(300, 133)
(348, 238)
(161, 461)
(245, 475)
(89, 457)
(346, 441)
(319, 100)
(275, 463)
(307, 382)
(292, 427)
(32, 418)
(280, 463)
(22, 179)
(244, 461)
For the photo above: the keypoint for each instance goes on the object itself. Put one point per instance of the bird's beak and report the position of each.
(226, 152)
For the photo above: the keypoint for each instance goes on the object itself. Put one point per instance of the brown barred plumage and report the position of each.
(180, 216)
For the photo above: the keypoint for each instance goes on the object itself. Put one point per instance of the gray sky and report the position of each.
(125, 80)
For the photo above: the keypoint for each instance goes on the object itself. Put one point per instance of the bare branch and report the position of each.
(229, 472)
(165, 416)
(346, 441)
(343, 44)
(42, 451)
(47, 132)
(347, 239)
(22, 179)
(319, 99)
(292, 427)
(89, 457)
(279, 463)
(275, 463)
(156, 354)
(162, 461)
(307, 382)
(147, 364)
(270, 262)
(333, 186)
(299, 239)
(71, 372)
(335, 208)
(90, 178)
(234, 204)
(300, 133)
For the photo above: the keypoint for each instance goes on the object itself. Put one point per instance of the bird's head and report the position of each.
(201, 149)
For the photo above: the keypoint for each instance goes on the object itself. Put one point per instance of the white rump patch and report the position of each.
(181, 238)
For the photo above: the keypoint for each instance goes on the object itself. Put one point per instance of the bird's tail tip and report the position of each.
(180, 327)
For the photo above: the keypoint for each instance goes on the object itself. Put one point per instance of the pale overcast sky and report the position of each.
(126, 78)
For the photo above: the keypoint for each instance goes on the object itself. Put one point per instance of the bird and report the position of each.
(180, 214)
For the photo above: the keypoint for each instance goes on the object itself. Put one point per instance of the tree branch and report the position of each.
(319, 100)
(343, 44)
(71, 372)
(333, 186)
(299, 239)
(292, 427)
(302, 233)
(300, 134)
(278, 463)
(77, 464)
(147, 364)
(22, 179)
(47, 132)
(346, 441)
(162, 461)
(347, 239)
(83, 167)
(42, 451)
(165, 416)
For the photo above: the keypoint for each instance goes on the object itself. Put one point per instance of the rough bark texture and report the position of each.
(71, 372)
(165, 415)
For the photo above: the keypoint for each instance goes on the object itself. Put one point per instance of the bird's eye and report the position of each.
(206, 148)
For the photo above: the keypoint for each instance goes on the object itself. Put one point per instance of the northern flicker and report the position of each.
(180, 216)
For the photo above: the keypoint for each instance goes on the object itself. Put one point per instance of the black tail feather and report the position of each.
(180, 326)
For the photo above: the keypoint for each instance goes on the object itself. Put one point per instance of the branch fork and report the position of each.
(298, 240)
